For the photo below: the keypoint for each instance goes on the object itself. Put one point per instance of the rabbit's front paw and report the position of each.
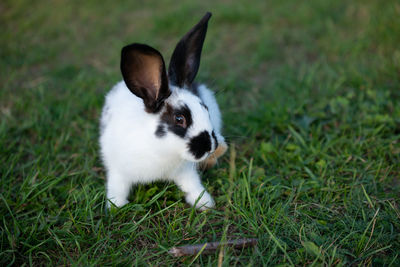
(118, 202)
(204, 203)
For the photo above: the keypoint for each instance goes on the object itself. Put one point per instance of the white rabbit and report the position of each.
(156, 126)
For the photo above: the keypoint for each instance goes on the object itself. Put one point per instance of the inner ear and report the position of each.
(143, 70)
(185, 60)
(148, 73)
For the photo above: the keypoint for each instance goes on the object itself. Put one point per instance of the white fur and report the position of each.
(133, 154)
(215, 115)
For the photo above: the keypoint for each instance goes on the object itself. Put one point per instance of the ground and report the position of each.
(309, 92)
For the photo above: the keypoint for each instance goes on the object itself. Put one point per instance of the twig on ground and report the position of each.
(211, 247)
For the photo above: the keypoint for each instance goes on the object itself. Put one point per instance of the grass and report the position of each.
(310, 97)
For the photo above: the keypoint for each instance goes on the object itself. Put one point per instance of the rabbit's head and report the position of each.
(183, 120)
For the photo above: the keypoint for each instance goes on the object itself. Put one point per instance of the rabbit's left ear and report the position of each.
(144, 73)
(185, 60)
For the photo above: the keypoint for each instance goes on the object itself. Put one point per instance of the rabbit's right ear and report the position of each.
(185, 60)
(144, 73)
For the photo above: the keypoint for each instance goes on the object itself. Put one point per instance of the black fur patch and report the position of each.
(200, 144)
(160, 132)
(168, 118)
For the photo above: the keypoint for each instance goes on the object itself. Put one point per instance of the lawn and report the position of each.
(309, 92)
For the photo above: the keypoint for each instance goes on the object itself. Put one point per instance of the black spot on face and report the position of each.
(200, 144)
(160, 132)
(168, 118)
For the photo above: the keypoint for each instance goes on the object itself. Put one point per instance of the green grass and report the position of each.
(310, 97)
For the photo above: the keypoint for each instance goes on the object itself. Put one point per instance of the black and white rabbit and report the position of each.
(159, 126)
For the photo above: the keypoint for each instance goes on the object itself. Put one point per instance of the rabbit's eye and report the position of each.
(180, 120)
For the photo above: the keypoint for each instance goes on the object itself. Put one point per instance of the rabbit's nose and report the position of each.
(200, 144)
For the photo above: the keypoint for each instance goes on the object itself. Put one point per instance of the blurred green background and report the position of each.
(309, 92)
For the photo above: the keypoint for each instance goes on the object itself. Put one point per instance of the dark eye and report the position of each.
(180, 120)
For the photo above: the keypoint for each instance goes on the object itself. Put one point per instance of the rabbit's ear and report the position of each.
(185, 59)
(144, 73)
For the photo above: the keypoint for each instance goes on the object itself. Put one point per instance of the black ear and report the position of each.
(185, 60)
(144, 73)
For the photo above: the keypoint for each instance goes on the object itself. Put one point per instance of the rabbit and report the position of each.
(159, 126)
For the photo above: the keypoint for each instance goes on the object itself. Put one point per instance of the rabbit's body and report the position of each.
(155, 130)
(126, 122)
